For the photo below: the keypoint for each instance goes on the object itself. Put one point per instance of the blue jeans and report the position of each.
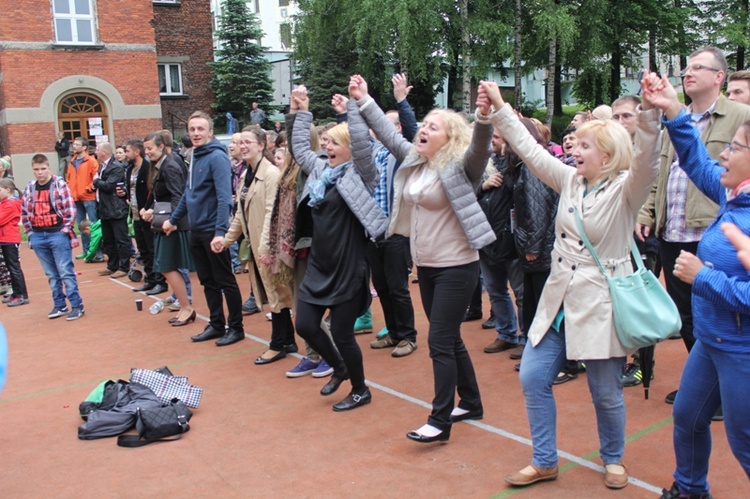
(711, 378)
(54, 253)
(539, 367)
(496, 278)
(84, 208)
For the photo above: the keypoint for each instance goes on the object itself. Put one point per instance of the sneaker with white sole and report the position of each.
(404, 348)
(75, 313)
(305, 367)
(323, 370)
(58, 312)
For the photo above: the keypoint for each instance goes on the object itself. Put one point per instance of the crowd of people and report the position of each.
(314, 214)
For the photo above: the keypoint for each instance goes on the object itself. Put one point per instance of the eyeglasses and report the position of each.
(248, 142)
(734, 146)
(698, 67)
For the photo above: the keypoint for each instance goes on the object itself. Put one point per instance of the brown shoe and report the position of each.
(498, 346)
(118, 274)
(517, 352)
(615, 476)
(105, 272)
(404, 348)
(531, 474)
(385, 342)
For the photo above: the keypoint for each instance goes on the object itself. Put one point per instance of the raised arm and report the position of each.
(645, 167)
(306, 158)
(384, 130)
(361, 146)
(546, 167)
(405, 113)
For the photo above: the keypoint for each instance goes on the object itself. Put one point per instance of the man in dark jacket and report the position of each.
(207, 202)
(62, 146)
(499, 260)
(113, 211)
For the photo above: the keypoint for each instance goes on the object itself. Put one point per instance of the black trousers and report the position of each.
(533, 285)
(116, 243)
(446, 293)
(144, 239)
(343, 317)
(215, 275)
(12, 261)
(475, 305)
(389, 260)
(282, 330)
(679, 291)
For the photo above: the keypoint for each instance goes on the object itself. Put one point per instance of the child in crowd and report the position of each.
(10, 239)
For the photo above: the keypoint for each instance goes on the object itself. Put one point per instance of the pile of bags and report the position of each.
(155, 402)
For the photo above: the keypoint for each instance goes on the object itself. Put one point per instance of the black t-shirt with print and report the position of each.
(44, 218)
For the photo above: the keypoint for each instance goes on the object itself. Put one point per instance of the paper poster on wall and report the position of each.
(100, 139)
(95, 126)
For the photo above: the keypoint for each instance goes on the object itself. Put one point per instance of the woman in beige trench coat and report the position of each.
(256, 192)
(574, 317)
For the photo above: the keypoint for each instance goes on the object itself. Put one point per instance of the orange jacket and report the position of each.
(81, 181)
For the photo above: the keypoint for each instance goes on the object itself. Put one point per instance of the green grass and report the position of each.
(559, 123)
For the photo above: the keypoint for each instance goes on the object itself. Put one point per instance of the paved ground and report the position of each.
(259, 434)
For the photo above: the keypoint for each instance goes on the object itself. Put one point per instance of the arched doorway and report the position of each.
(73, 115)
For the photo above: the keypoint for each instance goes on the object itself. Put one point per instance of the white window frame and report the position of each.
(74, 18)
(168, 78)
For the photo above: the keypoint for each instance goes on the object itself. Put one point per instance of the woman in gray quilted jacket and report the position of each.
(434, 204)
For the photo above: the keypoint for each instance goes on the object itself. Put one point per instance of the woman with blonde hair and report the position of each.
(574, 316)
(344, 214)
(434, 204)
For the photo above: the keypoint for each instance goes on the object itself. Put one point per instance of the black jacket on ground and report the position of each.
(111, 206)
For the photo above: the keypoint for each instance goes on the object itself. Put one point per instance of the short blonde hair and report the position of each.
(459, 137)
(612, 140)
(603, 112)
(236, 137)
(340, 134)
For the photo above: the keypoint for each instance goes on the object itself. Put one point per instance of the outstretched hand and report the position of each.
(493, 93)
(357, 87)
(300, 98)
(339, 103)
(400, 89)
(658, 92)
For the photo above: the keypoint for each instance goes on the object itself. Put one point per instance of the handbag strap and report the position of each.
(633, 249)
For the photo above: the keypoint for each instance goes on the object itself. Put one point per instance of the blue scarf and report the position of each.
(327, 178)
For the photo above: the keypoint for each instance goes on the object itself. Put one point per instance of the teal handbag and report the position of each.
(644, 313)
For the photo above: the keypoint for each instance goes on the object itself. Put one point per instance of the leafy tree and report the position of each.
(241, 74)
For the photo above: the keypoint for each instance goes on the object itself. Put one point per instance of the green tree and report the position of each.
(241, 74)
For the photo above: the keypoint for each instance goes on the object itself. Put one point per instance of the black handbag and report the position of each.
(158, 424)
(162, 212)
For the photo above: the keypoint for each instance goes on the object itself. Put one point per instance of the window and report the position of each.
(74, 21)
(285, 35)
(73, 113)
(283, 3)
(170, 79)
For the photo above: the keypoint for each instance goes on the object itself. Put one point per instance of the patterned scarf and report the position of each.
(283, 228)
(327, 178)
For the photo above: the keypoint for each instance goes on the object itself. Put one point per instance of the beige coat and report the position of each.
(608, 213)
(254, 222)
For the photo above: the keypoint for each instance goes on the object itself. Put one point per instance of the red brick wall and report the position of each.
(119, 21)
(132, 73)
(135, 129)
(185, 30)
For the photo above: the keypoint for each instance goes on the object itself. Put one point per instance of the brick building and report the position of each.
(63, 62)
(184, 49)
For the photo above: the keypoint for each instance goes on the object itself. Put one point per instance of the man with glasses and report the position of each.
(676, 211)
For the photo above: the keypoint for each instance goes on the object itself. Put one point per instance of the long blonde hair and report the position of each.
(459, 138)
